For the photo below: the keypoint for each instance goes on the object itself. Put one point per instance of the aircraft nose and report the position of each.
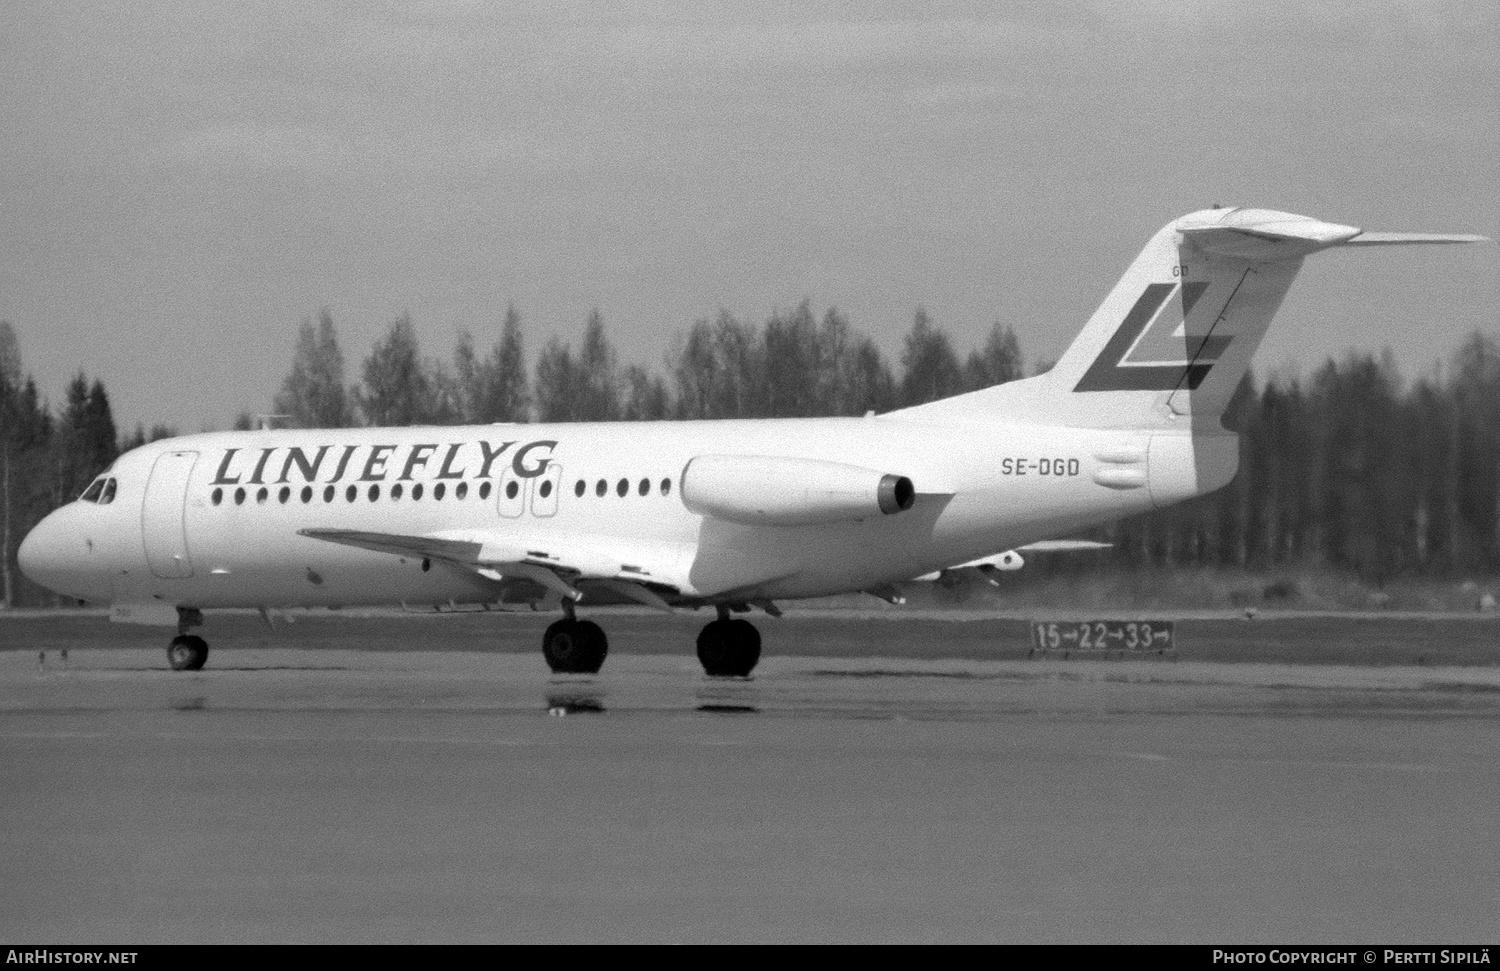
(42, 555)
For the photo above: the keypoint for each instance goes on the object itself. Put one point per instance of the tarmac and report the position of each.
(404, 796)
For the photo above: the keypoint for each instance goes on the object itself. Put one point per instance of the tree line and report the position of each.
(1351, 468)
(794, 365)
(1354, 469)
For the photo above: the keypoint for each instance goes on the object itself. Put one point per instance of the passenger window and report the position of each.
(645, 486)
(284, 494)
(578, 488)
(306, 495)
(416, 492)
(260, 494)
(484, 490)
(218, 496)
(666, 487)
(239, 496)
(544, 491)
(512, 499)
(438, 490)
(462, 490)
(396, 491)
(374, 492)
(601, 487)
(328, 493)
(350, 493)
(622, 487)
(109, 493)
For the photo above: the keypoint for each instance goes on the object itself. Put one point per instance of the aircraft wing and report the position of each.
(421, 547)
(574, 567)
(1063, 546)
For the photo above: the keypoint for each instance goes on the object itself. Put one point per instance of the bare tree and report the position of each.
(929, 366)
(997, 362)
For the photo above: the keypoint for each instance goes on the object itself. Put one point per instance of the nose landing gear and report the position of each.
(187, 652)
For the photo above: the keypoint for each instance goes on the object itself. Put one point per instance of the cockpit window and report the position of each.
(101, 491)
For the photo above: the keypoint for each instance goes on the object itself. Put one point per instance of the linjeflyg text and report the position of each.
(427, 460)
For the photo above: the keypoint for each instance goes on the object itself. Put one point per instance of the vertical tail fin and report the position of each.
(1177, 333)
(1171, 341)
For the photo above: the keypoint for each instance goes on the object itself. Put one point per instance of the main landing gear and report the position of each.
(727, 647)
(573, 646)
(187, 652)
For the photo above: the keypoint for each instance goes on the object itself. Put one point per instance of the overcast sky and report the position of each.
(182, 183)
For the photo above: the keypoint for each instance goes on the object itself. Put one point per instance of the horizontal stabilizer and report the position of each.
(1262, 235)
(1413, 239)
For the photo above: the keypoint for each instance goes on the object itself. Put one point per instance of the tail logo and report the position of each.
(1151, 350)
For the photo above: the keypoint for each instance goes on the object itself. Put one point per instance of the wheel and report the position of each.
(575, 647)
(728, 648)
(187, 652)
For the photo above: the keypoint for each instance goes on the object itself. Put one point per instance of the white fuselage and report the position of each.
(193, 523)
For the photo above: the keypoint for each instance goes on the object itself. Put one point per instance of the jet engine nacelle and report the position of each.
(762, 490)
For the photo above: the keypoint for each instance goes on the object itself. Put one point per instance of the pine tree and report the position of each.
(11, 446)
(313, 394)
(598, 386)
(399, 388)
(505, 392)
(557, 383)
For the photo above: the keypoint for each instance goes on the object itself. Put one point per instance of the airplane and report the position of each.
(732, 515)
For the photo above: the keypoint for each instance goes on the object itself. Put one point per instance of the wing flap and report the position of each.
(558, 564)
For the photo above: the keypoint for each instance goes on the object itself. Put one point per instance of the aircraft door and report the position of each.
(544, 491)
(512, 494)
(163, 523)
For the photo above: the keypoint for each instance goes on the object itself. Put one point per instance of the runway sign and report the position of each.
(1102, 637)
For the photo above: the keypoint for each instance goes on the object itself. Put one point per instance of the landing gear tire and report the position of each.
(187, 652)
(575, 647)
(728, 648)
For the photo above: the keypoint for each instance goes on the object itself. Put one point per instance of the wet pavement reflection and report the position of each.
(728, 696)
(574, 695)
